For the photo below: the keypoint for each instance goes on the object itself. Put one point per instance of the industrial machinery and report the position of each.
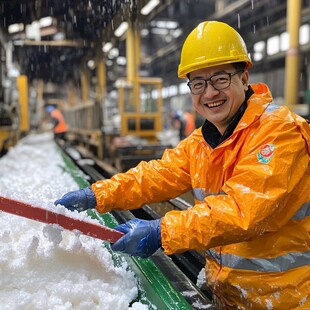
(140, 108)
(14, 117)
(123, 130)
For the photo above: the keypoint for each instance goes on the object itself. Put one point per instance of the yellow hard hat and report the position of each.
(210, 44)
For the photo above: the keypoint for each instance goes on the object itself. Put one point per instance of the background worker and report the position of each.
(59, 124)
(248, 167)
(185, 123)
(189, 123)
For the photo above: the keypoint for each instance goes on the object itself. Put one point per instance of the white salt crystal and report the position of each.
(43, 266)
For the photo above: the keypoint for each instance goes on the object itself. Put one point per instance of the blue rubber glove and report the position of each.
(79, 200)
(142, 238)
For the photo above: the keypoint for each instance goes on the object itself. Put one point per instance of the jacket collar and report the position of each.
(256, 100)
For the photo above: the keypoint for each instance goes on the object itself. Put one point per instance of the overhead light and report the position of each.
(113, 53)
(147, 9)
(160, 31)
(59, 36)
(33, 31)
(121, 29)
(121, 60)
(144, 32)
(109, 63)
(46, 21)
(273, 45)
(15, 28)
(176, 33)
(91, 64)
(167, 24)
(304, 34)
(106, 47)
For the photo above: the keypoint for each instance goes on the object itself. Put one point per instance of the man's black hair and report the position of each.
(237, 65)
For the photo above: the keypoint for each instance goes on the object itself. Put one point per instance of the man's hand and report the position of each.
(142, 238)
(79, 200)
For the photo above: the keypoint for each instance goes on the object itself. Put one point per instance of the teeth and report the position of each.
(215, 104)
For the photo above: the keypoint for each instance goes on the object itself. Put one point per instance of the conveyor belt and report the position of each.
(181, 269)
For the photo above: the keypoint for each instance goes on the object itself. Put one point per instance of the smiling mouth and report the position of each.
(215, 104)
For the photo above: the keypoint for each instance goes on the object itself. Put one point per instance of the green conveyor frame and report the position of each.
(154, 288)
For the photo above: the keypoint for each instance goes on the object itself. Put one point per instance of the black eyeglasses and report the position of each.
(218, 81)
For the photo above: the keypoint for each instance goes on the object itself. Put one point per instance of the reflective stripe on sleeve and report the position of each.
(272, 107)
(303, 212)
(199, 194)
(278, 264)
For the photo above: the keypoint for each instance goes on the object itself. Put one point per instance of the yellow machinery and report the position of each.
(130, 139)
(140, 108)
(14, 121)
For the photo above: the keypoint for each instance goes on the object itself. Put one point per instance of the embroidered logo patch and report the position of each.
(265, 154)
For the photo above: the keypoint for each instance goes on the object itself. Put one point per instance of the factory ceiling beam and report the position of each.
(70, 43)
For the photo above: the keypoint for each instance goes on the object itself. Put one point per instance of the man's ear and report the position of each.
(245, 79)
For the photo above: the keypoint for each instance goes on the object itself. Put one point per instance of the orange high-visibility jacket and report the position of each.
(252, 205)
(61, 125)
(189, 123)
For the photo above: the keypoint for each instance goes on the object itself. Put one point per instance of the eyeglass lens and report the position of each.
(219, 81)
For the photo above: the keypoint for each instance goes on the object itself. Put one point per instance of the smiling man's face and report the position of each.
(220, 106)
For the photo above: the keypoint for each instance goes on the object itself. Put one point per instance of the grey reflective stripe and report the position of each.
(272, 107)
(199, 194)
(279, 264)
(303, 212)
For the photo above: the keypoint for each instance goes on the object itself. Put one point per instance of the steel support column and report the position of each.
(22, 84)
(293, 54)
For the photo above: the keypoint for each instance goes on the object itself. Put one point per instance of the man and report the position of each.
(186, 123)
(248, 166)
(59, 124)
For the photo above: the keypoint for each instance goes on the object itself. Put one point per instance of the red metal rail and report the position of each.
(47, 216)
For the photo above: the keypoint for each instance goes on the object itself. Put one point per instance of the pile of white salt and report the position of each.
(41, 265)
